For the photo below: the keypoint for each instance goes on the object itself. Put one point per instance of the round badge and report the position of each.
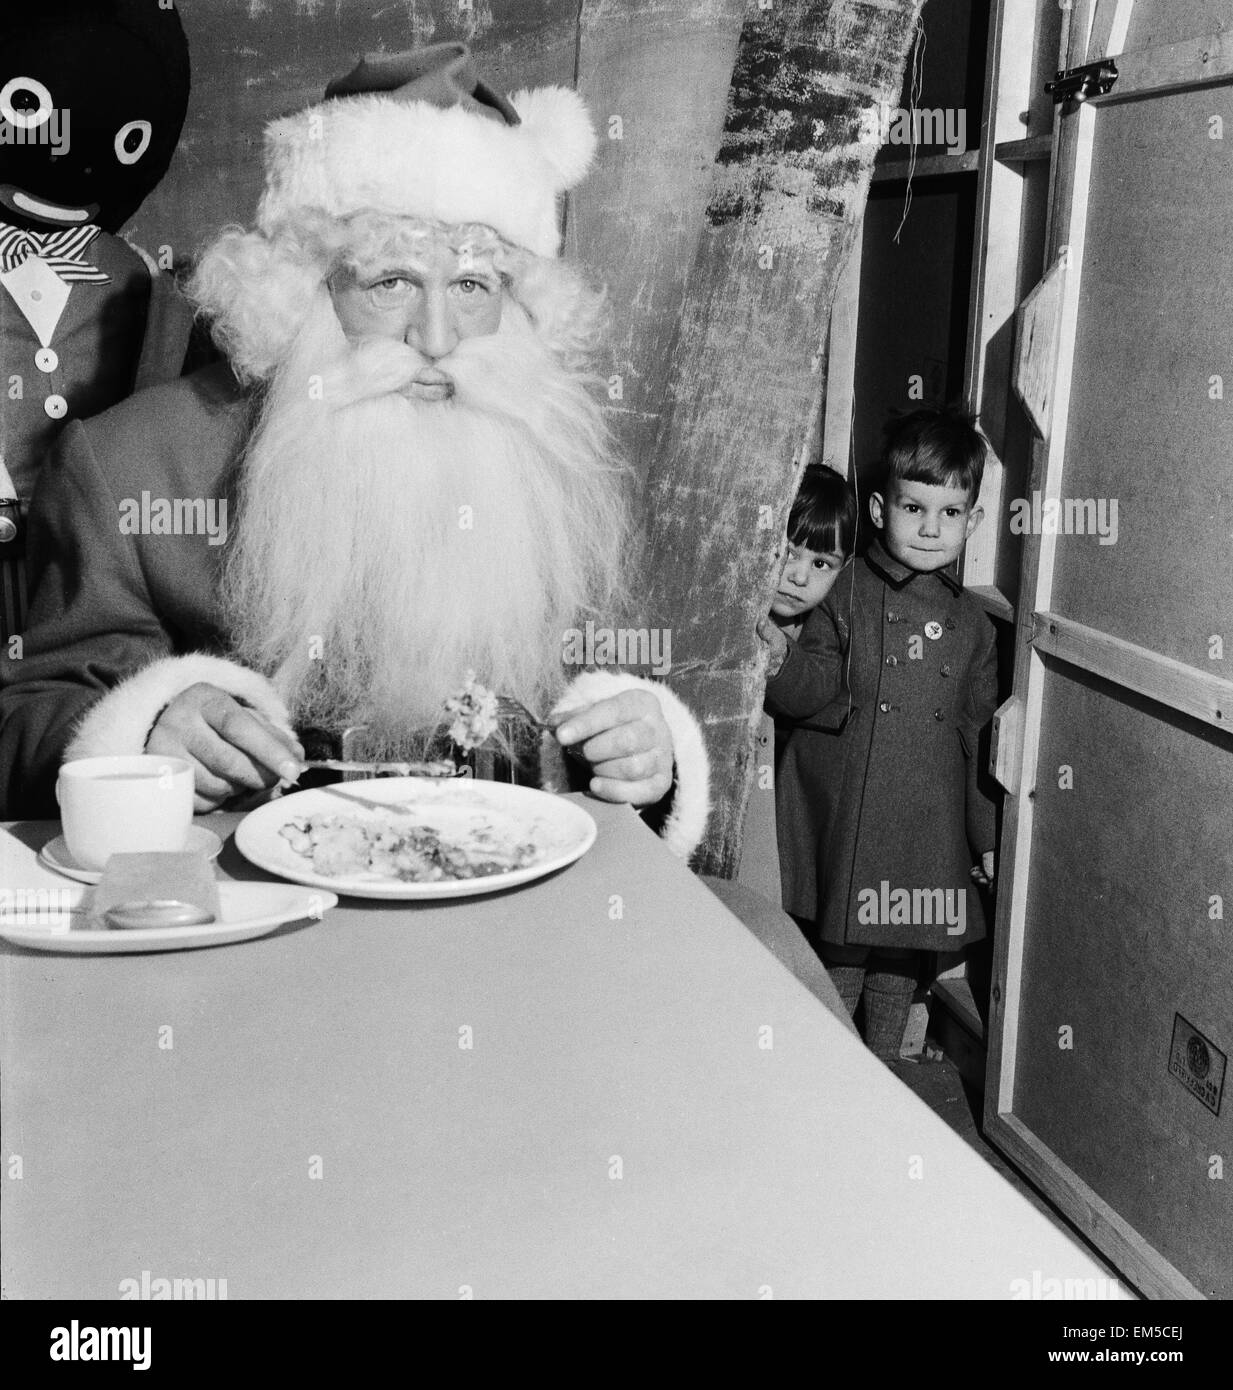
(933, 631)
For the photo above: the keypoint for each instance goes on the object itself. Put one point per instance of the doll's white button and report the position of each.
(46, 360)
(56, 406)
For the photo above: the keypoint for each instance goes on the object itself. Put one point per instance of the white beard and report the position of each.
(387, 546)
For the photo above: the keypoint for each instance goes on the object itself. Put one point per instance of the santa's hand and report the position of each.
(231, 748)
(628, 744)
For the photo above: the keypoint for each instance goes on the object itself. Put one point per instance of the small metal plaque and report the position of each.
(1197, 1063)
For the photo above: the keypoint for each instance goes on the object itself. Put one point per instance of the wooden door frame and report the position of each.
(1096, 28)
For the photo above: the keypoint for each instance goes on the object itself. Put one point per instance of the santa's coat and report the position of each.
(120, 624)
(891, 791)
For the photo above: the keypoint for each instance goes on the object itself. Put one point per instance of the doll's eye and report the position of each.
(132, 141)
(25, 102)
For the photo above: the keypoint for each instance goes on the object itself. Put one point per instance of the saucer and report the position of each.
(247, 910)
(55, 854)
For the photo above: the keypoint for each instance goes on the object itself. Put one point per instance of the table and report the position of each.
(600, 1085)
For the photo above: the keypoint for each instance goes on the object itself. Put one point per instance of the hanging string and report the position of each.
(914, 94)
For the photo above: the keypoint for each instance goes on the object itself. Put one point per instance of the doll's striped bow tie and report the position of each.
(62, 251)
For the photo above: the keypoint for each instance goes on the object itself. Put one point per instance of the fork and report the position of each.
(439, 768)
(511, 710)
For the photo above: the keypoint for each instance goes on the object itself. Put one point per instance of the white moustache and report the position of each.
(488, 373)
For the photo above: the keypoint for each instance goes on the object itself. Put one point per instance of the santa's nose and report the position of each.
(431, 331)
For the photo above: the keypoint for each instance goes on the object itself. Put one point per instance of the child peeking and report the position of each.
(821, 538)
(888, 687)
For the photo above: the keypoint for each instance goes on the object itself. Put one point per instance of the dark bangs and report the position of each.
(941, 447)
(823, 517)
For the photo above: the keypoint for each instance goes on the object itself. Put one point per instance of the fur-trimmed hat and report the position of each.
(418, 135)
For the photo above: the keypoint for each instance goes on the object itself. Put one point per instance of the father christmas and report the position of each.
(417, 480)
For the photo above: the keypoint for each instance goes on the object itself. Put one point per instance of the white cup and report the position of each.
(124, 805)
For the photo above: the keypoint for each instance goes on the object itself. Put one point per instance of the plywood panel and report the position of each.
(1120, 938)
(1154, 22)
(1155, 329)
(656, 79)
(253, 60)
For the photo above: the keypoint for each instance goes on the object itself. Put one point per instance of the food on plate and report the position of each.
(398, 847)
(474, 714)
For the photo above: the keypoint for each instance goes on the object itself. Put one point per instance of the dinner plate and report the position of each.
(560, 830)
(247, 910)
(55, 854)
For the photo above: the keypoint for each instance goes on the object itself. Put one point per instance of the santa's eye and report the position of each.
(132, 141)
(25, 102)
(390, 287)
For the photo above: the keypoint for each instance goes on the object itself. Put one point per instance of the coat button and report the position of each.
(46, 360)
(938, 715)
(56, 407)
(950, 623)
(892, 617)
(884, 707)
(946, 670)
(892, 661)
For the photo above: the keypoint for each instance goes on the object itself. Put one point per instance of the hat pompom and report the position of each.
(558, 121)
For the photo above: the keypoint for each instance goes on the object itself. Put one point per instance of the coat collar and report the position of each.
(897, 575)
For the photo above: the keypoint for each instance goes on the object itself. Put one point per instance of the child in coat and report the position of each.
(821, 538)
(889, 686)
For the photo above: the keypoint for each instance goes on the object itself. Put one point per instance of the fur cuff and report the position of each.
(121, 721)
(685, 823)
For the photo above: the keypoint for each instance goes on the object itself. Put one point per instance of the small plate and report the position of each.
(248, 910)
(55, 854)
(560, 830)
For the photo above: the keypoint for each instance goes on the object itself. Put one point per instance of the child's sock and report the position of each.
(889, 986)
(847, 980)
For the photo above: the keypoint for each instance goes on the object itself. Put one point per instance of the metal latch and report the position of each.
(1078, 84)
